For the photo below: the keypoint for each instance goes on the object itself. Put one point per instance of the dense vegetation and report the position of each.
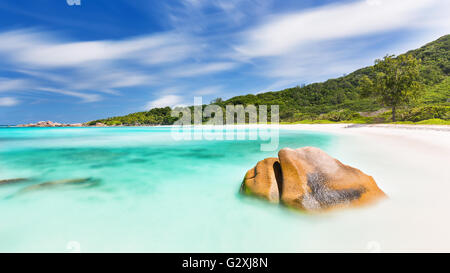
(396, 81)
(342, 99)
(156, 116)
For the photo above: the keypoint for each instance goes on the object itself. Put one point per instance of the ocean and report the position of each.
(153, 193)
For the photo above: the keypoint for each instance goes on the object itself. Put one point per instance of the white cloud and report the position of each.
(209, 90)
(201, 69)
(98, 78)
(44, 50)
(109, 78)
(8, 101)
(43, 75)
(168, 100)
(13, 84)
(53, 64)
(170, 90)
(167, 54)
(101, 66)
(374, 2)
(84, 96)
(284, 33)
(195, 3)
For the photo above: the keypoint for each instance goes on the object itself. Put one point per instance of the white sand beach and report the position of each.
(412, 165)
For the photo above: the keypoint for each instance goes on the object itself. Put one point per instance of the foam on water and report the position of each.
(160, 195)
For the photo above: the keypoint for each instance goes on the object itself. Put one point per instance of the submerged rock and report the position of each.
(84, 182)
(13, 180)
(309, 179)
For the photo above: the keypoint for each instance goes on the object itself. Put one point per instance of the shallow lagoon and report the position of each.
(160, 195)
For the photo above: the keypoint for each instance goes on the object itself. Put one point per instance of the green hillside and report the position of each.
(341, 99)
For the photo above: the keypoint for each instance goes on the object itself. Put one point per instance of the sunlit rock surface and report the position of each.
(308, 179)
(262, 180)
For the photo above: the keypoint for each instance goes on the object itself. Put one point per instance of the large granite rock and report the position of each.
(262, 180)
(310, 180)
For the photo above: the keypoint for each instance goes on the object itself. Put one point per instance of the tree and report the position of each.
(217, 101)
(395, 81)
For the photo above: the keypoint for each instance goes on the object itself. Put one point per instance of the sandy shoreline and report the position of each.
(365, 127)
(435, 135)
(419, 136)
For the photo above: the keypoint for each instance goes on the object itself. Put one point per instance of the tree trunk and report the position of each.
(393, 114)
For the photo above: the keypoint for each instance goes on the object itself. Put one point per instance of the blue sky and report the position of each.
(105, 58)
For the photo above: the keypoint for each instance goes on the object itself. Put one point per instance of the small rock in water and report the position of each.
(13, 180)
(308, 179)
(84, 182)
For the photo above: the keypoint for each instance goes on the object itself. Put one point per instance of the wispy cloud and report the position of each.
(201, 69)
(284, 33)
(208, 90)
(84, 96)
(167, 100)
(93, 66)
(40, 49)
(13, 84)
(200, 16)
(85, 68)
(8, 101)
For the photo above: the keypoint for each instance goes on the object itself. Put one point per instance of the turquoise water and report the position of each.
(154, 194)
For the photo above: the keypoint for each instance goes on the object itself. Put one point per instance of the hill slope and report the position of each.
(336, 99)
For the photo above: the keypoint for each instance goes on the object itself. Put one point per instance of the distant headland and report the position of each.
(57, 124)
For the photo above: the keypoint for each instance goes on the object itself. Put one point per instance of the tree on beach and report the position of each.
(395, 81)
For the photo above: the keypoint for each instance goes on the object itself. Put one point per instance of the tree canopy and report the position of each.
(395, 81)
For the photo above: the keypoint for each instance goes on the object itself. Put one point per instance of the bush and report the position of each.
(425, 112)
(304, 116)
(113, 122)
(435, 121)
(340, 115)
